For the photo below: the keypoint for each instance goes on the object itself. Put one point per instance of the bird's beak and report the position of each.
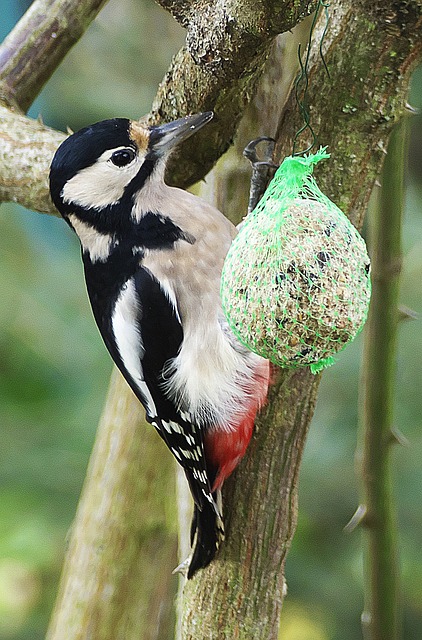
(165, 136)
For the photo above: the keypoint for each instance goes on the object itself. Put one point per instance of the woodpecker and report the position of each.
(152, 257)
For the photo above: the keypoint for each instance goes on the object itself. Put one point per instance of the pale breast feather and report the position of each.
(211, 378)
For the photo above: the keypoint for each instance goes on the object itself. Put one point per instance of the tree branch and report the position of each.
(227, 44)
(255, 16)
(217, 71)
(354, 110)
(37, 45)
(26, 150)
(381, 616)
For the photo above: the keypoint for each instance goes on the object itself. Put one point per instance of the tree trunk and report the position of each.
(240, 594)
(117, 580)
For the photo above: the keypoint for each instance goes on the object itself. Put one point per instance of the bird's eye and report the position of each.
(122, 157)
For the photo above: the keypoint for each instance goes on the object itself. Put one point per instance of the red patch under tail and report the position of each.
(225, 448)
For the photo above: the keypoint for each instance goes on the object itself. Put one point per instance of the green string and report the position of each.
(302, 81)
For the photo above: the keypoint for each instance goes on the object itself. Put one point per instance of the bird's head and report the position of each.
(105, 164)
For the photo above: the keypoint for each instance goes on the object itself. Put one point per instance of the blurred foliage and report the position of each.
(54, 372)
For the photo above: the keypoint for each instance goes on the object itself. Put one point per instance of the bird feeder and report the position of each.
(296, 284)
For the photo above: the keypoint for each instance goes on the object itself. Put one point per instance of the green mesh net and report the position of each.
(295, 284)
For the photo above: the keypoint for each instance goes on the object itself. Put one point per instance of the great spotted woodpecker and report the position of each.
(153, 256)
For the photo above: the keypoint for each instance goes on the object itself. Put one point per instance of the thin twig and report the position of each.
(35, 47)
(381, 617)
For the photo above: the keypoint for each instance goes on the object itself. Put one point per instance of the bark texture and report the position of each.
(26, 151)
(227, 44)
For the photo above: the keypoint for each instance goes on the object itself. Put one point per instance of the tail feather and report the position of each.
(207, 532)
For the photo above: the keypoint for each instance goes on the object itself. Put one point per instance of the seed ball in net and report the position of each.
(295, 285)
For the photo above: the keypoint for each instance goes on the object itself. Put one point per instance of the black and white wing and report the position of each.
(143, 332)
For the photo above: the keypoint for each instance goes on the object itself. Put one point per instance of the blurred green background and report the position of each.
(54, 372)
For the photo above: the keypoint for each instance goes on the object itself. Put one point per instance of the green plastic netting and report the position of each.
(295, 284)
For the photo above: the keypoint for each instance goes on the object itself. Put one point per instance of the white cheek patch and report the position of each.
(98, 245)
(102, 184)
(129, 341)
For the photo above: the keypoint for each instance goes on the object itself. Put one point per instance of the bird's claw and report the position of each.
(182, 568)
(250, 152)
(261, 168)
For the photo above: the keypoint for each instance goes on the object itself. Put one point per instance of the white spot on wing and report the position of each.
(166, 426)
(129, 341)
(175, 427)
